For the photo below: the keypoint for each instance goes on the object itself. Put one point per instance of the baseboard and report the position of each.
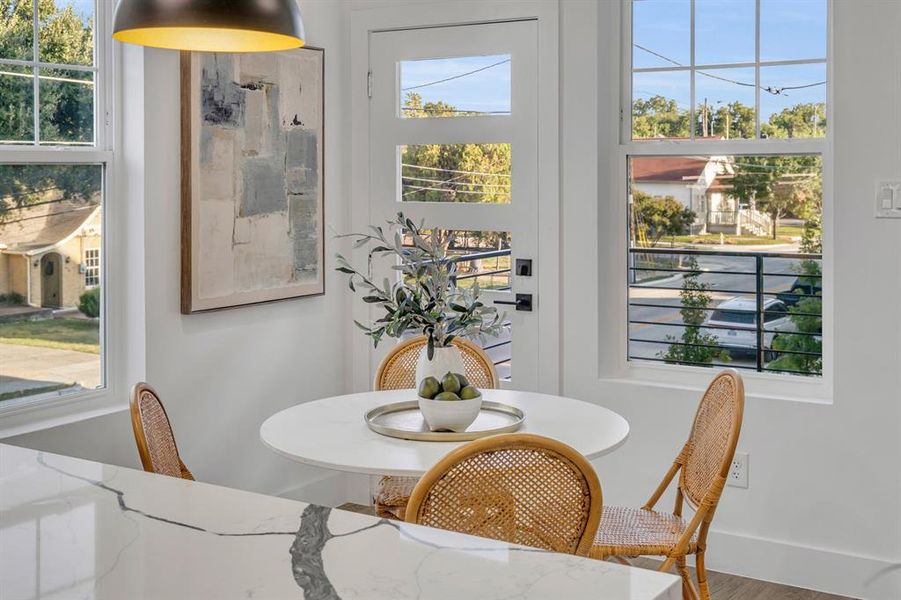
(817, 569)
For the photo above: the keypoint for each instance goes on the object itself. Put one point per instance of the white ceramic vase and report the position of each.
(443, 360)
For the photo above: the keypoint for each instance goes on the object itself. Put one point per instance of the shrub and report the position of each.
(12, 299)
(89, 303)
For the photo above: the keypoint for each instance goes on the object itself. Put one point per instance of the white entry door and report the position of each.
(454, 142)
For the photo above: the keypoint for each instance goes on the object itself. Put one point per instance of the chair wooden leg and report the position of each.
(688, 589)
(701, 569)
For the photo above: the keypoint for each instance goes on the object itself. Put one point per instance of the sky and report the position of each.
(725, 34)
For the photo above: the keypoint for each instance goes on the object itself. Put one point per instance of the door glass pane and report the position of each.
(50, 336)
(16, 105)
(725, 104)
(17, 31)
(66, 33)
(793, 101)
(67, 107)
(660, 105)
(792, 29)
(483, 258)
(455, 87)
(455, 173)
(724, 31)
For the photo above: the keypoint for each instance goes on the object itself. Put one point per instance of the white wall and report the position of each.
(221, 374)
(823, 508)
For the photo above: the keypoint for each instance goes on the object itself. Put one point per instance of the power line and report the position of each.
(774, 90)
(48, 77)
(453, 170)
(422, 85)
(415, 188)
(448, 181)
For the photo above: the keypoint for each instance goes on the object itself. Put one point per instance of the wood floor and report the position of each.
(722, 586)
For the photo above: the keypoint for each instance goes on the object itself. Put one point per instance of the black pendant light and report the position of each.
(210, 25)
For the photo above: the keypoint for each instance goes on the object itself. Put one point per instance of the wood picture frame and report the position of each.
(252, 178)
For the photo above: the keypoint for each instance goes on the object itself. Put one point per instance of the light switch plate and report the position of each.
(888, 199)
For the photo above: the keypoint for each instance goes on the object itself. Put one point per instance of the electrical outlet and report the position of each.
(738, 471)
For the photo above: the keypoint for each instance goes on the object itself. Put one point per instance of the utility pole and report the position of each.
(704, 129)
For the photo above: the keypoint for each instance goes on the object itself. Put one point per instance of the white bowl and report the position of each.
(450, 415)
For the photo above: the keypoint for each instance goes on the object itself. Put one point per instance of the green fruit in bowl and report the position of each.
(462, 379)
(469, 393)
(429, 388)
(450, 383)
(447, 396)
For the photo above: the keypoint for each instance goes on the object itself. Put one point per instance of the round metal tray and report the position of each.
(403, 420)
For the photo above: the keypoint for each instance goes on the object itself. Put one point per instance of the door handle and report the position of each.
(523, 302)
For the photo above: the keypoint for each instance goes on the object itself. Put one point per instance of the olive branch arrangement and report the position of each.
(425, 297)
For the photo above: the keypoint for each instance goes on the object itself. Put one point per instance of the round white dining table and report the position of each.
(332, 432)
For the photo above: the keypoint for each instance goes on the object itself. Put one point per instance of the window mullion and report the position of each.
(36, 71)
(757, 69)
(691, 109)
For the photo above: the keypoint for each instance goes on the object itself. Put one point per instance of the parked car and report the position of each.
(739, 314)
(805, 286)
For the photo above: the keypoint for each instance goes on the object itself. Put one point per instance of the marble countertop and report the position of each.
(71, 528)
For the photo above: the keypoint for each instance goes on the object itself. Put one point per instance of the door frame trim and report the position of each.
(363, 22)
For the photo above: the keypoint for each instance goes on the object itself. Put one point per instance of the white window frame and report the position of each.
(92, 271)
(47, 410)
(769, 385)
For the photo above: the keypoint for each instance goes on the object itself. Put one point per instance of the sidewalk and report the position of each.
(29, 367)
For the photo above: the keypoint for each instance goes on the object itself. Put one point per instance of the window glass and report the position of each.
(724, 31)
(51, 234)
(756, 95)
(55, 89)
(67, 107)
(704, 230)
(16, 104)
(17, 39)
(455, 173)
(661, 103)
(67, 34)
(455, 87)
(792, 29)
(661, 33)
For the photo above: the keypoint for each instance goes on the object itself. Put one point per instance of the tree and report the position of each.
(779, 185)
(805, 352)
(732, 121)
(657, 217)
(659, 117)
(694, 346)
(801, 120)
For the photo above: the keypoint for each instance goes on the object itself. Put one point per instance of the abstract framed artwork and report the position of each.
(252, 226)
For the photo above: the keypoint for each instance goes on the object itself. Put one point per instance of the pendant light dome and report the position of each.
(210, 25)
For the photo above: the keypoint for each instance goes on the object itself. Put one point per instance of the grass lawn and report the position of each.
(34, 391)
(736, 240)
(789, 231)
(81, 335)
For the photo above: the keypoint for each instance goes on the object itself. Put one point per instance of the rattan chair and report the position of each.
(702, 465)
(517, 487)
(398, 371)
(153, 434)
